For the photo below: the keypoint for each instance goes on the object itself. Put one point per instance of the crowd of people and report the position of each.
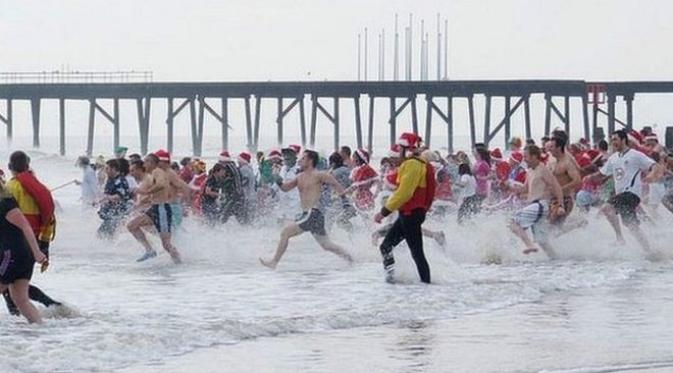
(538, 184)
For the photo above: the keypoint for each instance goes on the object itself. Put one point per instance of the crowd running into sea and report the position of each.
(547, 188)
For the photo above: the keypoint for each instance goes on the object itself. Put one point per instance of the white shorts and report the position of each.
(534, 216)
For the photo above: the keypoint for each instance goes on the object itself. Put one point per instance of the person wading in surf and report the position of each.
(413, 198)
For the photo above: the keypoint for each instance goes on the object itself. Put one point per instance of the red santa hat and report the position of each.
(635, 137)
(245, 157)
(516, 157)
(496, 154)
(295, 148)
(395, 151)
(163, 155)
(409, 140)
(594, 154)
(275, 154)
(224, 156)
(583, 160)
(363, 154)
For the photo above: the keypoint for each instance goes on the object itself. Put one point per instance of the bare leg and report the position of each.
(330, 246)
(168, 246)
(612, 217)
(19, 293)
(640, 237)
(135, 227)
(523, 236)
(288, 232)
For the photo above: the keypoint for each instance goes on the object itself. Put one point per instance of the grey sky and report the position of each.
(280, 40)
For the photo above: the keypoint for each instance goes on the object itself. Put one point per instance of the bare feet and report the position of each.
(269, 264)
(530, 250)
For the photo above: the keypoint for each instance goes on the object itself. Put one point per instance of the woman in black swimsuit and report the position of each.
(18, 253)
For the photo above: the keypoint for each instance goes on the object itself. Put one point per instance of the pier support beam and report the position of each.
(61, 126)
(221, 117)
(547, 115)
(629, 110)
(508, 120)
(170, 118)
(143, 106)
(358, 121)
(473, 126)
(258, 110)
(526, 114)
(488, 136)
(585, 118)
(447, 118)
(566, 114)
(7, 120)
(370, 125)
(487, 119)
(611, 113)
(249, 133)
(283, 111)
(90, 133)
(35, 111)
(333, 118)
(112, 118)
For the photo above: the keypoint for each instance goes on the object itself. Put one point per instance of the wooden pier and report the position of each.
(437, 98)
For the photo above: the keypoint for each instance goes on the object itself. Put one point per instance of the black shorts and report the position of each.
(162, 217)
(312, 221)
(15, 266)
(626, 204)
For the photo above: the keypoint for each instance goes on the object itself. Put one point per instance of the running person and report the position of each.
(541, 186)
(159, 214)
(625, 166)
(309, 182)
(413, 198)
(18, 253)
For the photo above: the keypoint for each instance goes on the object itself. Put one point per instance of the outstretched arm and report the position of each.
(286, 186)
(328, 179)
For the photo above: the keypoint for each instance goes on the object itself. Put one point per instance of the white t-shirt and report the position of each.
(469, 185)
(625, 168)
(133, 184)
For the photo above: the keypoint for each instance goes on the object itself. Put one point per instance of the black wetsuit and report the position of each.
(16, 260)
(408, 228)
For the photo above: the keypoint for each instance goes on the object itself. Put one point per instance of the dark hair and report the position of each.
(464, 169)
(560, 134)
(216, 167)
(530, 142)
(560, 142)
(153, 157)
(138, 164)
(655, 157)
(358, 159)
(313, 156)
(533, 150)
(185, 161)
(621, 134)
(346, 150)
(335, 160)
(175, 166)
(544, 139)
(19, 161)
(83, 161)
(113, 164)
(135, 156)
(124, 166)
(483, 153)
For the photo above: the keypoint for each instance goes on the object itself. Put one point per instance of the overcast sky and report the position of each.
(284, 40)
(238, 40)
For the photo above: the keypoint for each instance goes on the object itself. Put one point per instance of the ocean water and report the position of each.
(599, 308)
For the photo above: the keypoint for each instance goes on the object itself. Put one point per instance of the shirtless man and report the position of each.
(308, 182)
(541, 186)
(178, 191)
(567, 174)
(159, 213)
